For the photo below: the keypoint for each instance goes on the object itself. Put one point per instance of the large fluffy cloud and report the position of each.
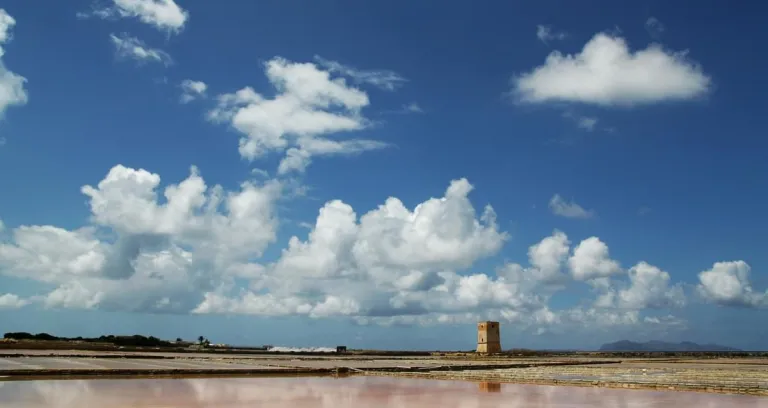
(649, 287)
(547, 259)
(11, 301)
(191, 247)
(607, 72)
(727, 283)
(12, 92)
(591, 260)
(308, 105)
(392, 260)
(51, 254)
(144, 253)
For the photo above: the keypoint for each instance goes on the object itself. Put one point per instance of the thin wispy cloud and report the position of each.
(381, 78)
(413, 107)
(259, 172)
(127, 47)
(563, 208)
(405, 109)
(546, 34)
(654, 27)
(587, 123)
(192, 90)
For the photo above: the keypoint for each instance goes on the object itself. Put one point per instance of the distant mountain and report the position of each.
(655, 345)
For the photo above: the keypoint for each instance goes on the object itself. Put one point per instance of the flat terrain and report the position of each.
(718, 376)
(721, 375)
(355, 391)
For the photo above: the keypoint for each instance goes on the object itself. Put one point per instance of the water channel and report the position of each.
(327, 392)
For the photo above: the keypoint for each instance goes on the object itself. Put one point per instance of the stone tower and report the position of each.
(488, 337)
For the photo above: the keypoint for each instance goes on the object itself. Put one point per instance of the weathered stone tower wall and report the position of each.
(488, 337)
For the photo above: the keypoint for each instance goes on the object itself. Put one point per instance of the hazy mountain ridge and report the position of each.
(655, 345)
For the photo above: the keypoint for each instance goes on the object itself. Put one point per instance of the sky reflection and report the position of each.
(338, 393)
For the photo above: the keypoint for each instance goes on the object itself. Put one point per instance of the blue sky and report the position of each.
(619, 146)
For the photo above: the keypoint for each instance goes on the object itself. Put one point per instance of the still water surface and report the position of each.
(339, 393)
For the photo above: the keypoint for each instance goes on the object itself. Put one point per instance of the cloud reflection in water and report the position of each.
(350, 392)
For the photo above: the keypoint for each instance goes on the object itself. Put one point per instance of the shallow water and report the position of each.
(338, 393)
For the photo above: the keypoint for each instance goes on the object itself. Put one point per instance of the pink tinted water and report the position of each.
(339, 393)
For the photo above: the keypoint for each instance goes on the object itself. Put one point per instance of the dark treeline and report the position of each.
(135, 340)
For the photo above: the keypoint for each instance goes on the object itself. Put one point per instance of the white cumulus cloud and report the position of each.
(132, 48)
(308, 105)
(649, 287)
(389, 261)
(11, 301)
(727, 283)
(164, 15)
(66, 253)
(547, 259)
(12, 92)
(591, 260)
(143, 254)
(189, 247)
(6, 25)
(606, 72)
